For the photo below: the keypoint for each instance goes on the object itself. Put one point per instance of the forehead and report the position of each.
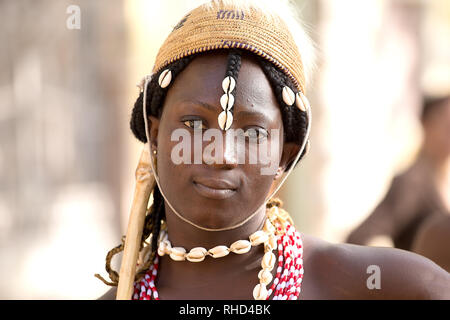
(201, 81)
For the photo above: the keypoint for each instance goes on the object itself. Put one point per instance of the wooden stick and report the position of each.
(145, 182)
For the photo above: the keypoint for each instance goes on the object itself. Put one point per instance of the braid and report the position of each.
(152, 226)
(155, 99)
(153, 219)
(233, 64)
(233, 67)
(295, 122)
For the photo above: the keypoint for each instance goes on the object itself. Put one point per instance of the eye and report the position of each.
(195, 124)
(256, 134)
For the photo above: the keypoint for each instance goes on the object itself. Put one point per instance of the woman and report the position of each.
(214, 232)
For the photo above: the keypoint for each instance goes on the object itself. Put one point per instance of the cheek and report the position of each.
(260, 176)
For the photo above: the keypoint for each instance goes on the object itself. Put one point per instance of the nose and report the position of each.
(225, 156)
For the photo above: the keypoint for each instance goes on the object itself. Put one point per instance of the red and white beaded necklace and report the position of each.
(285, 286)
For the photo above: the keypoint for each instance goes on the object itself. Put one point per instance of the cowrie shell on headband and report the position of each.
(225, 120)
(228, 84)
(164, 78)
(302, 102)
(288, 96)
(227, 101)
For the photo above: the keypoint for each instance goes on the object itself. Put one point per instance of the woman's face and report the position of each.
(217, 188)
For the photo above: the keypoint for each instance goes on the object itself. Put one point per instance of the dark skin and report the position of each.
(331, 271)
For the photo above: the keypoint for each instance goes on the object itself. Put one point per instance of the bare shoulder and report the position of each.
(346, 271)
(109, 295)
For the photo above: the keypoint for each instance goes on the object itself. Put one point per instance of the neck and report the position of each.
(183, 234)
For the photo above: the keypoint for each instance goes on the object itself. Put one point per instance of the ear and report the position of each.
(290, 151)
(153, 126)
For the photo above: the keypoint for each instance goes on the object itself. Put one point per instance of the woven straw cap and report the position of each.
(222, 27)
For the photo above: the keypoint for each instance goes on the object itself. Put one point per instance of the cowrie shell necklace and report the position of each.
(276, 233)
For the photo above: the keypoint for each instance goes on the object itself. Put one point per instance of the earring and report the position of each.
(155, 160)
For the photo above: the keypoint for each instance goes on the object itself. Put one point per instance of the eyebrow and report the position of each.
(237, 115)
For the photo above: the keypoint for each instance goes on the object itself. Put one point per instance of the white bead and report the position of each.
(227, 101)
(196, 254)
(228, 84)
(225, 120)
(219, 251)
(161, 250)
(260, 292)
(164, 78)
(265, 276)
(272, 243)
(305, 101)
(268, 227)
(268, 261)
(241, 246)
(288, 96)
(258, 237)
(178, 254)
(299, 103)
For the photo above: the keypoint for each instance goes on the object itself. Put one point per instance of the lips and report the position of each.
(213, 188)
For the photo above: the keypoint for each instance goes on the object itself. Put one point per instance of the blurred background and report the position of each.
(67, 156)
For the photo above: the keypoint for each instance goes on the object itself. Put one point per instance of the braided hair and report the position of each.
(295, 123)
